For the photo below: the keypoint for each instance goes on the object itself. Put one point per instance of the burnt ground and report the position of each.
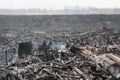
(59, 22)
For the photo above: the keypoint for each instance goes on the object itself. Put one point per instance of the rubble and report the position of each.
(91, 56)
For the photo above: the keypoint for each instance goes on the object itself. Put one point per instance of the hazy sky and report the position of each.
(58, 4)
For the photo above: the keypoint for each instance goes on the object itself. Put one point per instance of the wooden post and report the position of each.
(6, 56)
(6, 61)
(17, 60)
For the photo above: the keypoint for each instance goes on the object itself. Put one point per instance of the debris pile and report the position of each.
(92, 61)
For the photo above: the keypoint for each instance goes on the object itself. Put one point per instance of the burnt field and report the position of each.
(60, 47)
(59, 22)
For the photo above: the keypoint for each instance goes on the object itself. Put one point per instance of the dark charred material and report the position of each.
(24, 49)
(81, 56)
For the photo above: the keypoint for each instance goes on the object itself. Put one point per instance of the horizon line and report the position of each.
(65, 8)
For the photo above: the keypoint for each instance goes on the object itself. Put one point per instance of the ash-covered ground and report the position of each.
(59, 22)
(60, 47)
